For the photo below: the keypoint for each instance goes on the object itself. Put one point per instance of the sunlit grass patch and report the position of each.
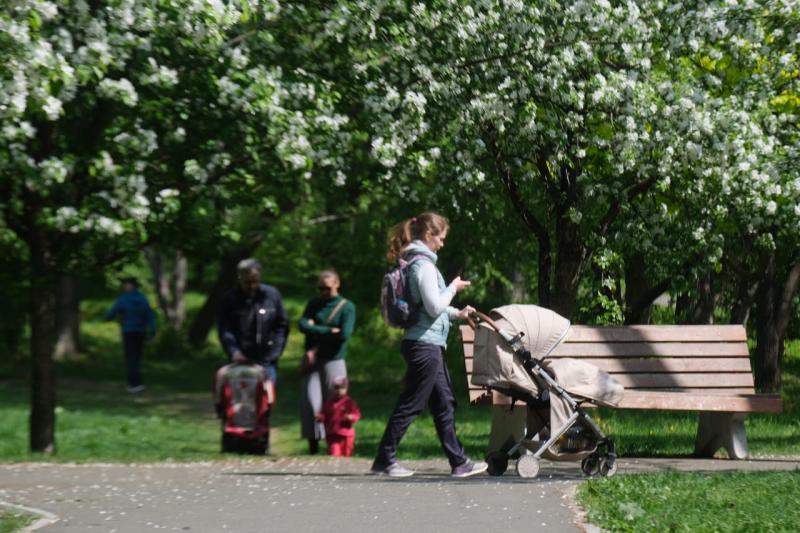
(751, 501)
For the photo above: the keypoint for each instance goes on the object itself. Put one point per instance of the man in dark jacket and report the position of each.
(253, 325)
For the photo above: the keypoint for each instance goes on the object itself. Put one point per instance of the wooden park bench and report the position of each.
(665, 368)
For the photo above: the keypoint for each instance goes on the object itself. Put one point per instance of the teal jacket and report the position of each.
(318, 330)
(428, 291)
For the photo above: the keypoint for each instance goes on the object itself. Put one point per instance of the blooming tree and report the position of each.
(569, 113)
(127, 122)
(751, 58)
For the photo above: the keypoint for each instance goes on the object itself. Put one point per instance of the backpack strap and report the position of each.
(335, 310)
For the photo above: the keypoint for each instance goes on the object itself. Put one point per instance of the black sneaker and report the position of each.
(469, 468)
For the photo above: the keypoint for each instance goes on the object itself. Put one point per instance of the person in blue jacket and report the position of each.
(136, 320)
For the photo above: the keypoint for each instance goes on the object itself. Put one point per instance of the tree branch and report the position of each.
(629, 194)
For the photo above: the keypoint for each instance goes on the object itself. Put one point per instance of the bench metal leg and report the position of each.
(508, 427)
(717, 430)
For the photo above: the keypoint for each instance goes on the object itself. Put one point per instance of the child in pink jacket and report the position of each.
(339, 414)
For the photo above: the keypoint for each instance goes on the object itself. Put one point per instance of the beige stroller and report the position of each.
(510, 356)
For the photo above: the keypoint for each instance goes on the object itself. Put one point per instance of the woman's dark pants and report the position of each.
(427, 382)
(133, 342)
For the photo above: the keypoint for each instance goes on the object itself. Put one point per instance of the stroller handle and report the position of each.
(482, 317)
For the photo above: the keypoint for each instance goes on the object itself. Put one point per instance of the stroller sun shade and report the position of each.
(496, 366)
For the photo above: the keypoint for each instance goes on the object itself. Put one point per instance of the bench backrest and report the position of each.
(704, 359)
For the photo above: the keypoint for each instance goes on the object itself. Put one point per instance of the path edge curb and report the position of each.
(578, 512)
(46, 518)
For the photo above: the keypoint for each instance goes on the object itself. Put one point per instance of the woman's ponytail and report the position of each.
(414, 228)
(399, 237)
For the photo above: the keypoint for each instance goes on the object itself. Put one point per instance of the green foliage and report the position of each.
(763, 501)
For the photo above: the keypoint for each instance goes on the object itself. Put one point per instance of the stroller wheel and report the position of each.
(590, 465)
(607, 468)
(528, 466)
(498, 463)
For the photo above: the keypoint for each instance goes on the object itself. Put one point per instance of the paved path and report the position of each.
(311, 495)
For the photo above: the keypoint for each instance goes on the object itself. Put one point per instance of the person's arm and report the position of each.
(307, 324)
(435, 301)
(323, 412)
(355, 412)
(227, 338)
(280, 329)
(114, 311)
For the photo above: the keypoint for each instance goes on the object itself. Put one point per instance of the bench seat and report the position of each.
(674, 368)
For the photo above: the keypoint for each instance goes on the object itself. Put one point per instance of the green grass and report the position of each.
(753, 501)
(13, 521)
(173, 419)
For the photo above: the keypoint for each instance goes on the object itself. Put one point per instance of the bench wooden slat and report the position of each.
(656, 349)
(761, 403)
(687, 364)
(477, 391)
(604, 334)
(661, 349)
(681, 380)
(655, 365)
(716, 333)
(729, 402)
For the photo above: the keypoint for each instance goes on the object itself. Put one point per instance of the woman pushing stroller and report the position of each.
(427, 381)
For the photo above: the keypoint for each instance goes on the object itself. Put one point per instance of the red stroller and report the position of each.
(243, 397)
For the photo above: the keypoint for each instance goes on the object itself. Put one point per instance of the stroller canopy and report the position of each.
(543, 329)
(495, 365)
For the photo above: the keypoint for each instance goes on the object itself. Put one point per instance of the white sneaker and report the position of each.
(469, 468)
(393, 470)
(137, 388)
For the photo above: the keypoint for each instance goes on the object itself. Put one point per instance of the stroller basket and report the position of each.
(577, 437)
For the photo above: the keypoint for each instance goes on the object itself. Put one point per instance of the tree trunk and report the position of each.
(571, 257)
(707, 301)
(67, 317)
(698, 308)
(206, 317)
(773, 307)
(180, 275)
(545, 265)
(43, 384)
(519, 293)
(745, 294)
(768, 357)
(170, 288)
(640, 294)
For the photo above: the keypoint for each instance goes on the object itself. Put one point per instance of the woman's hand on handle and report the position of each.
(464, 313)
(460, 284)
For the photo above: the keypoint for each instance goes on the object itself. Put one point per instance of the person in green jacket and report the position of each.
(327, 323)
